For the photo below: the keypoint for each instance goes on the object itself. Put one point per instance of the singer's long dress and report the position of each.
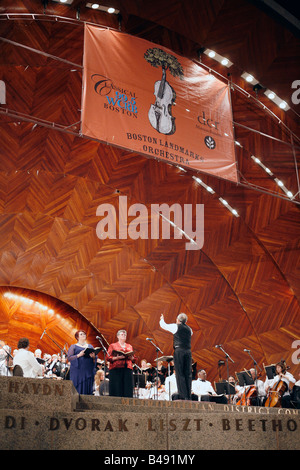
(82, 370)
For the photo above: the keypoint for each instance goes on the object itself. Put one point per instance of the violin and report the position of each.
(275, 394)
(159, 114)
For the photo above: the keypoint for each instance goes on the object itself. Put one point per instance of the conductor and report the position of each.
(182, 334)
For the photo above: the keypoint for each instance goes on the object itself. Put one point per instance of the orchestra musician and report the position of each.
(161, 371)
(121, 357)
(258, 388)
(295, 394)
(237, 389)
(282, 375)
(26, 360)
(156, 391)
(147, 370)
(171, 386)
(5, 359)
(204, 389)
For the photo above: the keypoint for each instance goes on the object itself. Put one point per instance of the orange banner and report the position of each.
(143, 97)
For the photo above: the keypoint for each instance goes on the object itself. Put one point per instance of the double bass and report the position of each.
(159, 114)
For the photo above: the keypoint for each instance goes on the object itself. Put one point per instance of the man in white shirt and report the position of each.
(26, 360)
(204, 389)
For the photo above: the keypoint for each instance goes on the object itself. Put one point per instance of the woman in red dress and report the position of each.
(120, 357)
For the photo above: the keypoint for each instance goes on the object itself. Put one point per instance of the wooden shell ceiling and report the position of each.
(242, 289)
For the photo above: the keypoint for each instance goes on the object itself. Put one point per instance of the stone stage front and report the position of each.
(46, 414)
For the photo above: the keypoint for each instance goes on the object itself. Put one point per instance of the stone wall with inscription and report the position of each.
(47, 414)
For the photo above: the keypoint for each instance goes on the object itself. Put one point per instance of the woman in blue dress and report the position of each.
(82, 368)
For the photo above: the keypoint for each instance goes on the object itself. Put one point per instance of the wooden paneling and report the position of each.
(241, 290)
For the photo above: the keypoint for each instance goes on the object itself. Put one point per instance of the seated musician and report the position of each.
(162, 371)
(237, 389)
(258, 398)
(171, 386)
(204, 389)
(287, 378)
(156, 391)
(147, 369)
(295, 394)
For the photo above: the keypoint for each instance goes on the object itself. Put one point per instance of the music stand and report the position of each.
(157, 349)
(168, 359)
(245, 378)
(138, 377)
(139, 380)
(270, 371)
(225, 388)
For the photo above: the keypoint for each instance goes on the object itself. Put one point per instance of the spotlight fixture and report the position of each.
(210, 190)
(257, 160)
(273, 97)
(214, 55)
(199, 181)
(284, 189)
(249, 78)
(231, 209)
(97, 6)
(65, 2)
(277, 181)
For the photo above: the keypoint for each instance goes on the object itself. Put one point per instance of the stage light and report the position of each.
(199, 181)
(277, 181)
(65, 2)
(228, 206)
(257, 160)
(97, 6)
(249, 78)
(280, 183)
(214, 55)
(273, 97)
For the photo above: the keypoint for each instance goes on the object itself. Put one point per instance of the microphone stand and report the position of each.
(157, 349)
(138, 380)
(227, 357)
(255, 364)
(104, 354)
(45, 333)
(8, 355)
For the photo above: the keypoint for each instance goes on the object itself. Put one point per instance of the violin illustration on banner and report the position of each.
(160, 113)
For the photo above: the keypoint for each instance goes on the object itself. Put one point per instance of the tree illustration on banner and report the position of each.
(160, 113)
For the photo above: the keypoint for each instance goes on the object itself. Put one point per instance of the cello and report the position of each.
(251, 393)
(246, 398)
(278, 389)
(275, 394)
(160, 113)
